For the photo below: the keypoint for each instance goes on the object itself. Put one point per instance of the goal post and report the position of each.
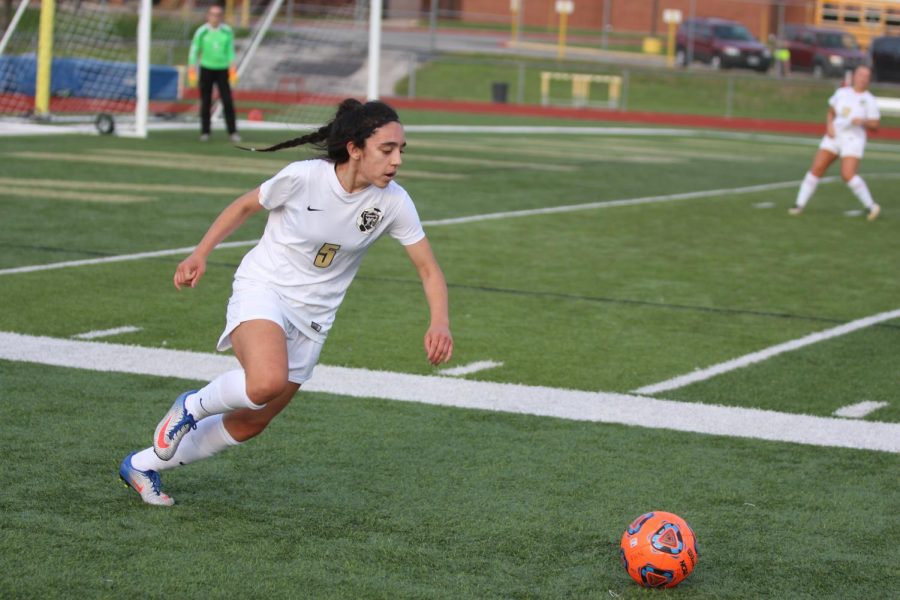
(78, 62)
(44, 59)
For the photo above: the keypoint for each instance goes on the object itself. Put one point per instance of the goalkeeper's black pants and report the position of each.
(219, 77)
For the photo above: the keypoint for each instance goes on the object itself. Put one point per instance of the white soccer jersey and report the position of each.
(316, 237)
(848, 104)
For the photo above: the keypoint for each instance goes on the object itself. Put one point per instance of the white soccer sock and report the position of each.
(806, 189)
(208, 439)
(225, 393)
(859, 187)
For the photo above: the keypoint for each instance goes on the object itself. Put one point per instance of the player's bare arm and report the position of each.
(191, 269)
(438, 339)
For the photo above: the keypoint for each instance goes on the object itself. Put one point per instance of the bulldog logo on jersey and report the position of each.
(369, 219)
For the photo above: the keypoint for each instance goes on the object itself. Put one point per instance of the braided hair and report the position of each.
(353, 122)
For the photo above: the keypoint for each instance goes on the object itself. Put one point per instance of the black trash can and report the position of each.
(499, 91)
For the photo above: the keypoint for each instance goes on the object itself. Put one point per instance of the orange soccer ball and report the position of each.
(659, 550)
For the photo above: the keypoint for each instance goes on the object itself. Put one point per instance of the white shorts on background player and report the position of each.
(844, 144)
(848, 104)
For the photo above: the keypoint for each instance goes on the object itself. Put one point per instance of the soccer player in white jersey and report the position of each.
(323, 216)
(851, 113)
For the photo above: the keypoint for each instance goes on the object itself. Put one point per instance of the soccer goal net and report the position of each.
(314, 54)
(63, 62)
(114, 65)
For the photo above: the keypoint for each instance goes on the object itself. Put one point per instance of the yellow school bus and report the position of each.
(865, 19)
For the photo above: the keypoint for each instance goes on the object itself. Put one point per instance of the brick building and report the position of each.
(760, 16)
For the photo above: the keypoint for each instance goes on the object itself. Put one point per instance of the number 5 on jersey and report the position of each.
(326, 255)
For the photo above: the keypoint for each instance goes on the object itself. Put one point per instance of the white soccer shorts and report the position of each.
(844, 144)
(262, 303)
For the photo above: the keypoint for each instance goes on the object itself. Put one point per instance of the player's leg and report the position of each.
(302, 357)
(821, 161)
(849, 173)
(260, 347)
(207, 78)
(140, 470)
(216, 433)
(228, 105)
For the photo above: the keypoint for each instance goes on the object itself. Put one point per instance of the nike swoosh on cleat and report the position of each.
(139, 488)
(161, 438)
(311, 209)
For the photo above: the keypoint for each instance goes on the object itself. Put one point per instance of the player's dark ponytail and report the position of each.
(353, 122)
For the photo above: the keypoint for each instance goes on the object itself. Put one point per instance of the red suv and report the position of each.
(720, 43)
(825, 52)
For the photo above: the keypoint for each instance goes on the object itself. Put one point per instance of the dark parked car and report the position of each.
(720, 43)
(886, 58)
(824, 52)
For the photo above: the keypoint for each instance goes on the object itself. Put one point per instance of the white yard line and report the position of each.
(767, 353)
(765, 187)
(475, 367)
(99, 333)
(859, 410)
(439, 222)
(576, 405)
(119, 258)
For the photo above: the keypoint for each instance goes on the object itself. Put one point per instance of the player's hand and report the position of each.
(189, 271)
(438, 344)
(830, 130)
(192, 76)
(857, 122)
(232, 75)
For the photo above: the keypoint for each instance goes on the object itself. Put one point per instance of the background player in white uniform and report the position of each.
(852, 111)
(324, 214)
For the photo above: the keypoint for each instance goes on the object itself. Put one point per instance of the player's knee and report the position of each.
(263, 387)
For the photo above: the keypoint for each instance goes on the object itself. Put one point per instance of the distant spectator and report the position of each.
(214, 44)
(783, 59)
(851, 112)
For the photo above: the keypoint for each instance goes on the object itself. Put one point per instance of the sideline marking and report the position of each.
(755, 357)
(860, 409)
(457, 220)
(438, 223)
(764, 187)
(91, 335)
(470, 368)
(601, 407)
(119, 258)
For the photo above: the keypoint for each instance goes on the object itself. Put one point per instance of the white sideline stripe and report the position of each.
(767, 353)
(434, 223)
(455, 221)
(601, 407)
(119, 258)
(628, 202)
(860, 409)
(470, 368)
(92, 335)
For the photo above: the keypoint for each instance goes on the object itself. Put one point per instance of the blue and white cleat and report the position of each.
(145, 483)
(177, 422)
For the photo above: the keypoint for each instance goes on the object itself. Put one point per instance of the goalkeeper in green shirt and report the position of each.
(213, 43)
